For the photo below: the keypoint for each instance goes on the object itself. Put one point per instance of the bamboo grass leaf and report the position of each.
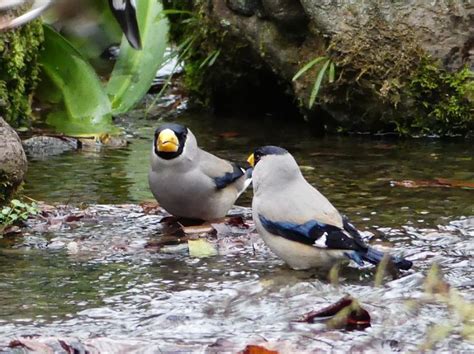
(205, 61)
(317, 84)
(135, 70)
(332, 72)
(308, 66)
(214, 57)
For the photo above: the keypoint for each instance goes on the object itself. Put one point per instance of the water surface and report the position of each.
(114, 289)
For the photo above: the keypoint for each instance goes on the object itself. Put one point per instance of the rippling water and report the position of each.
(97, 282)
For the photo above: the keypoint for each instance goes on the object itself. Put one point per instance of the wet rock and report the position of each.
(243, 7)
(288, 14)
(13, 164)
(444, 30)
(43, 146)
(377, 49)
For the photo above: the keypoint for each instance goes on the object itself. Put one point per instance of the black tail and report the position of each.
(126, 15)
(374, 256)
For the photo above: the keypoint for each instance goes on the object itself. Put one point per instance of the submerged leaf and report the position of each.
(86, 107)
(135, 70)
(201, 248)
(344, 313)
(437, 182)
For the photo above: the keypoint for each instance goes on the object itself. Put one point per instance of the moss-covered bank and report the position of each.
(387, 82)
(19, 50)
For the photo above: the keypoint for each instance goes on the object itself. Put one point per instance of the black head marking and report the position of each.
(181, 133)
(267, 150)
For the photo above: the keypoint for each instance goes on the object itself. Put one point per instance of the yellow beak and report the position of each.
(251, 160)
(167, 141)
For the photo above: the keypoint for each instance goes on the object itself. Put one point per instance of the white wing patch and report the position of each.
(321, 241)
(133, 3)
(119, 4)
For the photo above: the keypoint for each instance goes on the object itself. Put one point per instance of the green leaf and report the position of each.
(317, 84)
(135, 70)
(210, 59)
(332, 72)
(85, 107)
(214, 58)
(205, 61)
(6, 210)
(201, 248)
(17, 203)
(308, 66)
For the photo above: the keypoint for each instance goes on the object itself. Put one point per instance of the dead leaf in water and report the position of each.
(345, 313)
(151, 208)
(237, 221)
(199, 229)
(437, 182)
(230, 134)
(257, 349)
(10, 231)
(73, 217)
(31, 345)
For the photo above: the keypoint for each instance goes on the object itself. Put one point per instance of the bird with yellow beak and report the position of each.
(189, 182)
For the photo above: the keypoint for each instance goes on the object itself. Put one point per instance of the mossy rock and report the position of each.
(385, 81)
(397, 87)
(19, 49)
(13, 163)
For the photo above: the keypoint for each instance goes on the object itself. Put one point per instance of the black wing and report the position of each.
(317, 234)
(126, 15)
(229, 177)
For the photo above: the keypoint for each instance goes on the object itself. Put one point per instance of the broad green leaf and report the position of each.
(308, 66)
(85, 108)
(135, 69)
(317, 84)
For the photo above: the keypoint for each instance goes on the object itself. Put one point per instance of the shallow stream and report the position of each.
(97, 284)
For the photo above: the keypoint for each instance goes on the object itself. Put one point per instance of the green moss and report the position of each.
(6, 189)
(216, 63)
(189, 30)
(444, 100)
(19, 71)
(397, 86)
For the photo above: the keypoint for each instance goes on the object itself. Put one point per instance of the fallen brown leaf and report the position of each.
(166, 240)
(198, 229)
(230, 134)
(237, 221)
(437, 182)
(31, 345)
(10, 230)
(344, 313)
(73, 217)
(150, 208)
(257, 349)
